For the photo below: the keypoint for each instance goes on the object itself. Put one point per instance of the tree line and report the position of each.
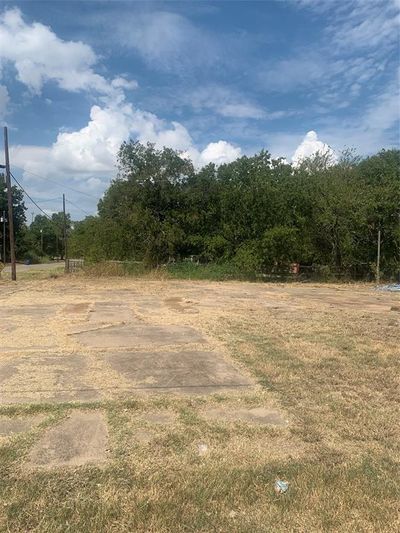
(42, 239)
(258, 213)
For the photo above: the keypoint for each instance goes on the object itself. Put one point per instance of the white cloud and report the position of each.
(223, 101)
(90, 153)
(40, 56)
(357, 48)
(219, 153)
(311, 146)
(166, 40)
(366, 25)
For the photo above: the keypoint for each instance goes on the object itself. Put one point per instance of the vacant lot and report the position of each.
(139, 405)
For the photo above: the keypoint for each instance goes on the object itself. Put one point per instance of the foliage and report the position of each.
(49, 232)
(257, 214)
(18, 217)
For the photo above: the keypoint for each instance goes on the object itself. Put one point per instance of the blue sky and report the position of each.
(212, 79)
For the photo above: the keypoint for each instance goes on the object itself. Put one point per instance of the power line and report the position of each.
(30, 198)
(58, 198)
(77, 207)
(56, 183)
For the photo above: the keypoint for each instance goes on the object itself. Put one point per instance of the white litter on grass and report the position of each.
(202, 449)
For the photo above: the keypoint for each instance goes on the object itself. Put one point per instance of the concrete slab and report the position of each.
(41, 377)
(189, 372)
(147, 304)
(133, 336)
(80, 440)
(257, 415)
(7, 371)
(11, 426)
(31, 311)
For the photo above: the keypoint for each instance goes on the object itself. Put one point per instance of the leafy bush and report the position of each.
(249, 258)
(209, 271)
(32, 257)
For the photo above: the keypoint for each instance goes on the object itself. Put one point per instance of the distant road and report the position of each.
(43, 266)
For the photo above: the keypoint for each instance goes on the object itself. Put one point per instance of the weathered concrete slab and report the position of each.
(108, 313)
(42, 377)
(147, 304)
(132, 336)
(191, 372)
(7, 370)
(11, 426)
(30, 311)
(81, 439)
(257, 415)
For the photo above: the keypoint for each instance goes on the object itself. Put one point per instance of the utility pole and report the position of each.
(10, 207)
(378, 259)
(65, 237)
(41, 241)
(3, 255)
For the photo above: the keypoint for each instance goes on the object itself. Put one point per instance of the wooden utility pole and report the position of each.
(378, 259)
(10, 207)
(65, 237)
(4, 238)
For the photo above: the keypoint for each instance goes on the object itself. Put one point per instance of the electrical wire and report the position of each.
(77, 207)
(52, 181)
(30, 198)
(47, 200)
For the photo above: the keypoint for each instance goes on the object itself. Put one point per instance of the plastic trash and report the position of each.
(202, 449)
(281, 486)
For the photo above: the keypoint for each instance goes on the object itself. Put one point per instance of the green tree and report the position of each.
(19, 218)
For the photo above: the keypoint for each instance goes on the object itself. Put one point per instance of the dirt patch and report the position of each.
(81, 439)
(257, 415)
(158, 417)
(76, 309)
(110, 313)
(182, 305)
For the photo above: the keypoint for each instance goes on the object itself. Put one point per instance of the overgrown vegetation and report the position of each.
(256, 214)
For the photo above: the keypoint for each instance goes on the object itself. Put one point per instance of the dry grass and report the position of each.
(327, 356)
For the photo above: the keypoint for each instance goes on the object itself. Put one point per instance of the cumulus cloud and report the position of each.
(311, 146)
(91, 151)
(38, 56)
(219, 153)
